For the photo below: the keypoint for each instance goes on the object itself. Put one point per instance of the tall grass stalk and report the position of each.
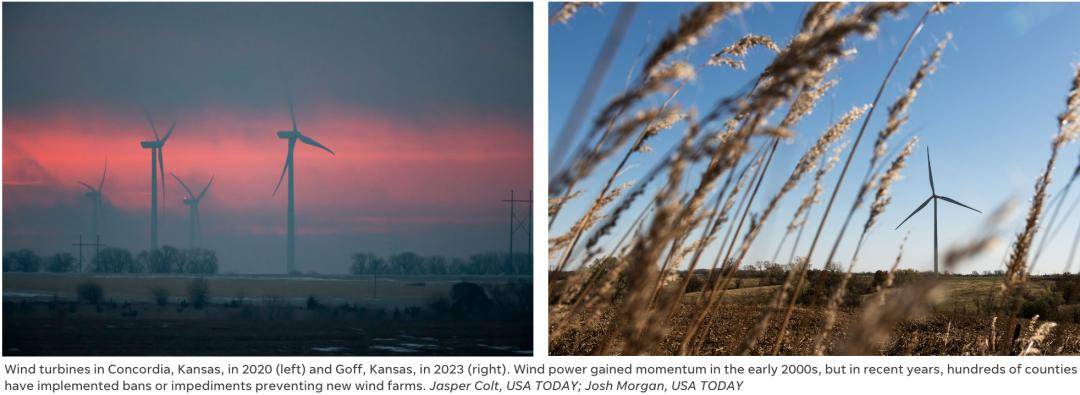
(881, 200)
(650, 128)
(843, 172)
(798, 219)
(1017, 271)
(1051, 232)
(805, 58)
(805, 164)
(587, 94)
(877, 320)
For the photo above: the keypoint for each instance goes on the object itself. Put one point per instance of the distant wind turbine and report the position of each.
(934, 197)
(292, 135)
(95, 199)
(195, 228)
(157, 156)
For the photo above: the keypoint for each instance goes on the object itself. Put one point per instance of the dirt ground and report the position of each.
(957, 326)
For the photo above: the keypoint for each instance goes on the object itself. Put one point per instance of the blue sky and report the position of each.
(987, 115)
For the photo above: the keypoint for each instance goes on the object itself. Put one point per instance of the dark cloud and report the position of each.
(404, 58)
(22, 169)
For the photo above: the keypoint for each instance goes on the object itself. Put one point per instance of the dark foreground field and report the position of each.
(275, 323)
(113, 335)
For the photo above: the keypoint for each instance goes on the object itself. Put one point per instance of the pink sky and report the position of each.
(444, 170)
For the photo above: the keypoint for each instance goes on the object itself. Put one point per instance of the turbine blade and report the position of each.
(101, 185)
(161, 165)
(288, 95)
(88, 186)
(292, 112)
(288, 162)
(958, 203)
(169, 133)
(151, 120)
(310, 141)
(206, 188)
(930, 170)
(183, 185)
(914, 212)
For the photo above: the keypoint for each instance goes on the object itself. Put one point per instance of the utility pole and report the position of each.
(97, 248)
(374, 277)
(80, 244)
(517, 225)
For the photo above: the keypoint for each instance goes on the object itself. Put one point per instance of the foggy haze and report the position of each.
(428, 108)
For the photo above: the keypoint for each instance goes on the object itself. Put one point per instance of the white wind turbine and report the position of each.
(292, 135)
(935, 197)
(192, 201)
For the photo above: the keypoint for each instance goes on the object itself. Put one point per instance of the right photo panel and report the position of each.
(813, 179)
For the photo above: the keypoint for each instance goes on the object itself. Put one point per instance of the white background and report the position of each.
(854, 384)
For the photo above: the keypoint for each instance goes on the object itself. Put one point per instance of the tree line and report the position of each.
(409, 263)
(167, 259)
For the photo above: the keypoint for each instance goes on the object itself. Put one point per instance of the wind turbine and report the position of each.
(95, 199)
(157, 156)
(292, 135)
(195, 229)
(934, 197)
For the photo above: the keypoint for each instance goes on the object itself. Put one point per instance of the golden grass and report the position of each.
(946, 330)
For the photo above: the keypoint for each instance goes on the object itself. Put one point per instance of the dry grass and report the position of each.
(945, 330)
(633, 298)
(569, 9)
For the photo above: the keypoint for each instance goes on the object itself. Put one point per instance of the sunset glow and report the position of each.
(428, 137)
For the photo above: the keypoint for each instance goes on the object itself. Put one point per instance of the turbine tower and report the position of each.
(195, 227)
(157, 156)
(934, 197)
(95, 199)
(292, 135)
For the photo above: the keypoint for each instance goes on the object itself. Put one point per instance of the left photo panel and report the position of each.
(267, 179)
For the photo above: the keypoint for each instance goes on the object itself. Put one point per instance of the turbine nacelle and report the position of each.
(288, 134)
(191, 199)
